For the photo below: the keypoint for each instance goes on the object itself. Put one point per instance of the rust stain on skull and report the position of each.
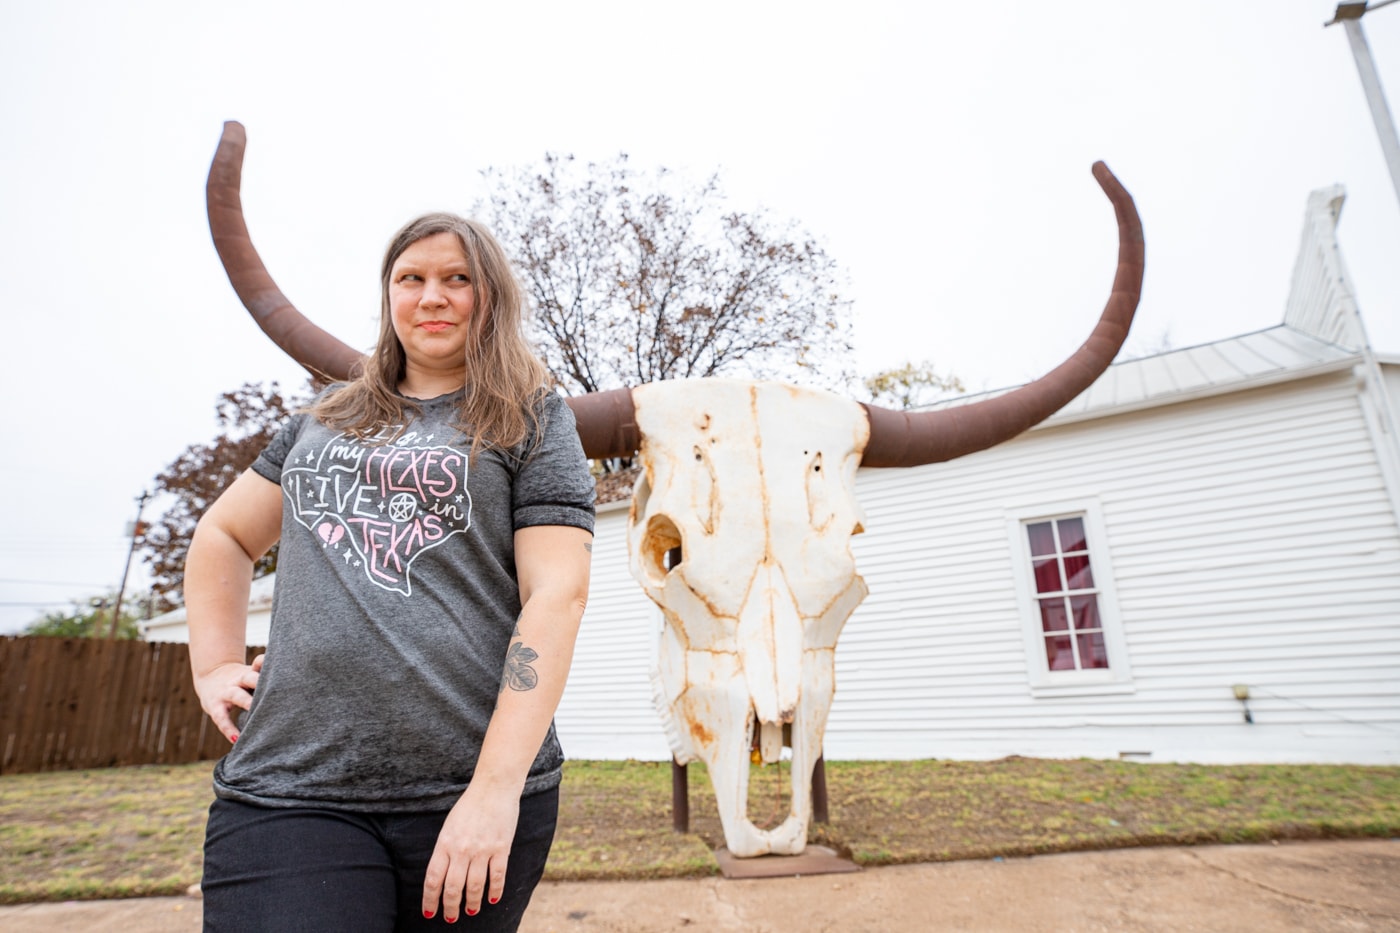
(699, 733)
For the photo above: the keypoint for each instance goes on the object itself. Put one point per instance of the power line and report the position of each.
(55, 583)
(52, 602)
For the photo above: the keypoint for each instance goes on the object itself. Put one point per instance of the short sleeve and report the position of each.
(270, 461)
(553, 485)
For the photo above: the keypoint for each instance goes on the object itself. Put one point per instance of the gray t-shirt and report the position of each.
(395, 601)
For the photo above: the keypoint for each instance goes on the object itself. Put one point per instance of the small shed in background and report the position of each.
(175, 625)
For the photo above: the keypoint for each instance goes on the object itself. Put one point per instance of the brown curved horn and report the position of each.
(322, 354)
(902, 439)
(606, 424)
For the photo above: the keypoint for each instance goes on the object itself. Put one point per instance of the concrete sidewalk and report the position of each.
(1312, 886)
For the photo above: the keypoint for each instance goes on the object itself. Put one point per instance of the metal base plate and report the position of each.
(814, 860)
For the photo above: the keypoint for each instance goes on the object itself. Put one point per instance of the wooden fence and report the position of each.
(70, 703)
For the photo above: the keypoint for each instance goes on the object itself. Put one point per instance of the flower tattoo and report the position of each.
(519, 674)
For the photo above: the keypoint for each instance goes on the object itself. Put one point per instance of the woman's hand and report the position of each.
(226, 687)
(470, 857)
(471, 853)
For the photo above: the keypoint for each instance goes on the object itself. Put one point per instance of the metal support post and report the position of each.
(130, 551)
(1349, 15)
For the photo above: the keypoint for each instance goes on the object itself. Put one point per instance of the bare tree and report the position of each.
(637, 277)
(910, 385)
(249, 417)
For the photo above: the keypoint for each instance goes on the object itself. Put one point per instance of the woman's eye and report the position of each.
(461, 278)
(409, 277)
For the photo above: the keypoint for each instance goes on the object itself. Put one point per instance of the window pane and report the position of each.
(1042, 539)
(1071, 626)
(1077, 570)
(1058, 653)
(1052, 615)
(1091, 650)
(1047, 576)
(1072, 535)
(1086, 612)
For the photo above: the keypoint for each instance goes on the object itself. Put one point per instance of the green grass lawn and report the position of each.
(126, 832)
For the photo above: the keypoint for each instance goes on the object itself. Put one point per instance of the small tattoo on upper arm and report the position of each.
(588, 546)
(519, 675)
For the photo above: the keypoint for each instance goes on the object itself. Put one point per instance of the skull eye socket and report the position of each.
(661, 538)
(820, 508)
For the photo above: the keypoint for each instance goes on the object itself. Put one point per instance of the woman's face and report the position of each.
(431, 301)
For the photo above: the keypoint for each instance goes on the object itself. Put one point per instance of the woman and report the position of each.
(397, 763)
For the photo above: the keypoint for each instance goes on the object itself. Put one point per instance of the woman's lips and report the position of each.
(433, 327)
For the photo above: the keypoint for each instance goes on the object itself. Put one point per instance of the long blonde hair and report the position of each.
(504, 380)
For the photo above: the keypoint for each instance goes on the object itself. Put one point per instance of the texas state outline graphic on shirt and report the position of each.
(380, 505)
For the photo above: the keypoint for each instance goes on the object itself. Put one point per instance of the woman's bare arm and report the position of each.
(552, 564)
(236, 530)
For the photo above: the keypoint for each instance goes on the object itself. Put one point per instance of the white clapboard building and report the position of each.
(1236, 506)
(1197, 560)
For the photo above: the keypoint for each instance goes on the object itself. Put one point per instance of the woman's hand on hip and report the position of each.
(470, 857)
(225, 688)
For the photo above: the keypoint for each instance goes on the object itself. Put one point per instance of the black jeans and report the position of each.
(310, 869)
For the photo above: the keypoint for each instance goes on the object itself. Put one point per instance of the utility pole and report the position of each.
(1349, 14)
(137, 532)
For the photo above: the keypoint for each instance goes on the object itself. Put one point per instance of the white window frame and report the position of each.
(1117, 677)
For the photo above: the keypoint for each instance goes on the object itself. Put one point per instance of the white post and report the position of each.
(1349, 16)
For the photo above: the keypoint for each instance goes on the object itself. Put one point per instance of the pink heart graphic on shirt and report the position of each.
(329, 532)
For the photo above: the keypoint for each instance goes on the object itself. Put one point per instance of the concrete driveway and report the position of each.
(1312, 886)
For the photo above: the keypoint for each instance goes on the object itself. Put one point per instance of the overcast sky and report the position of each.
(939, 150)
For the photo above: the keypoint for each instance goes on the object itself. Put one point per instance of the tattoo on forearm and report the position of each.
(519, 675)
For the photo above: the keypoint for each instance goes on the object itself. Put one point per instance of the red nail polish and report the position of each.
(427, 915)
(494, 900)
(451, 919)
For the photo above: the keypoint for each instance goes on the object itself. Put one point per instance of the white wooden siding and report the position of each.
(606, 711)
(1252, 543)
(1390, 372)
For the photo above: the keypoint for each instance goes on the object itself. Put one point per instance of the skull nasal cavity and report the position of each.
(661, 538)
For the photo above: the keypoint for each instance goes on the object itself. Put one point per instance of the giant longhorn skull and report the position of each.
(753, 482)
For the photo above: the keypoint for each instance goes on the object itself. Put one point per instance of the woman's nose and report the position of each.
(433, 295)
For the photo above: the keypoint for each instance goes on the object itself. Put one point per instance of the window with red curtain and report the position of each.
(1065, 595)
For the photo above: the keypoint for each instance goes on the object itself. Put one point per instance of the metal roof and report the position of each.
(1321, 332)
(1276, 354)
